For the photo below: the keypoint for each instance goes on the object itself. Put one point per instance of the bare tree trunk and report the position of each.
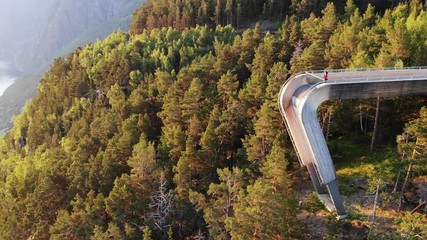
(281, 9)
(361, 117)
(423, 203)
(408, 173)
(365, 129)
(324, 117)
(375, 204)
(238, 15)
(374, 134)
(397, 182)
(399, 173)
(328, 127)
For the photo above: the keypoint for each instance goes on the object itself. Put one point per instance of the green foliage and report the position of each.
(80, 223)
(336, 227)
(269, 197)
(147, 233)
(112, 232)
(219, 207)
(164, 13)
(313, 204)
(85, 158)
(413, 141)
(412, 226)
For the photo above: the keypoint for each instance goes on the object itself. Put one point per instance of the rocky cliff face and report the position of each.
(35, 32)
(75, 22)
(20, 21)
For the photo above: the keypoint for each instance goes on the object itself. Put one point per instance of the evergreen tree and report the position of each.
(227, 86)
(310, 29)
(258, 145)
(360, 60)
(311, 58)
(398, 39)
(113, 232)
(350, 8)
(265, 56)
(276, 78)
(219, 206)
(85, 157)
(412, 226)
(147, 233)
(80, 223)
(269, 197)
(172, 143)
(191, 103)
(187, 167)
(328, 22)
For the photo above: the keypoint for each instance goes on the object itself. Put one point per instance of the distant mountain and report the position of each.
(75, 22)
(37, 32)
(20, 22)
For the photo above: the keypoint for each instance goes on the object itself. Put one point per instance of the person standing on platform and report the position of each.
(325, 76)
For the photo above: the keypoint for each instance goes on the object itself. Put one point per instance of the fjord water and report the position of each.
(8, 74)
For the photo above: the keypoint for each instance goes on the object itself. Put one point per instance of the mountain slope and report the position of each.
(177, 134)
(67, 24)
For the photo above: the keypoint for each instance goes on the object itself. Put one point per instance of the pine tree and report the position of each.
(311, 58)
(219, 12)
(227, 86)
(329, 21)
(147, 233)
(369, 17)
(302, 8)
(195, 129)
(311, 29)
(350, 8)
(285, 40)
(189, 166)
(113, 232)
(398, 39)
(230, 12)
(418, 129)
(265, 56)
(269, 197)
(259, 144)
(117, 99)
(143, 161)
(276, 78)
(172, 143)
(80, 223)
(191, 103)
(231, 126)
(384, 59)
(253, 94)
(360, 60)
(412, 226)
(219, 206)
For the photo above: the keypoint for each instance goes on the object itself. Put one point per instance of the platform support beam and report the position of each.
(336, 199)
(320, 189)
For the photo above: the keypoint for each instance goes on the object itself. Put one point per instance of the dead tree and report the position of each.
(161, 203)
(374, 134)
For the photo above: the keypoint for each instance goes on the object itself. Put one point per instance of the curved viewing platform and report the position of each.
(301, 95)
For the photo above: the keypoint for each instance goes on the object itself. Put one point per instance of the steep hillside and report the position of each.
(176, 134)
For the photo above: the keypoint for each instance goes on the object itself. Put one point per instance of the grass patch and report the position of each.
(359, 168)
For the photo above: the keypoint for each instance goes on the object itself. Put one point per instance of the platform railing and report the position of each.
(367, 69)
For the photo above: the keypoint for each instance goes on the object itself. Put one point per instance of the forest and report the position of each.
(172, 130)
